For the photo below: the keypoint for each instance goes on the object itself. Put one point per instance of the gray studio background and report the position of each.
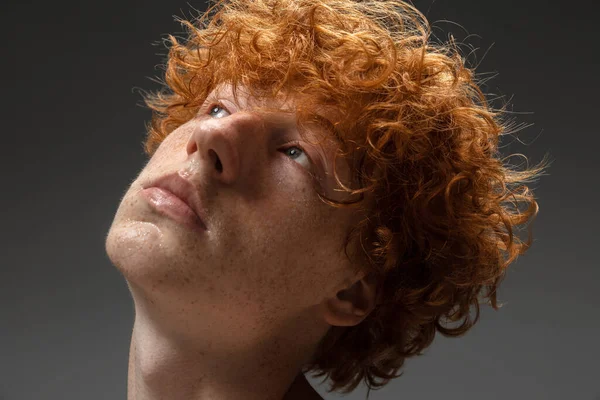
(72, 128)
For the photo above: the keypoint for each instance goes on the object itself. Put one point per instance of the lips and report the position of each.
(182, 189)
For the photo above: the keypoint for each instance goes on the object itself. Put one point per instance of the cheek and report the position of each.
(298, 242)
(173, 145)
(295, 207)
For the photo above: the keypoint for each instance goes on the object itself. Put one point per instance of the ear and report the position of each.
(351, 304)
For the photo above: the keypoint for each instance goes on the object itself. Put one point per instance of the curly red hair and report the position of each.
(444, 207)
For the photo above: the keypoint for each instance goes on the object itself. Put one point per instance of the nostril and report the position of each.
(213, 156)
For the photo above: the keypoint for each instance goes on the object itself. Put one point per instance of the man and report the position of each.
(323, 194)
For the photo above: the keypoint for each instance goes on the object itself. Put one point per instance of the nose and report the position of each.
(225, 145)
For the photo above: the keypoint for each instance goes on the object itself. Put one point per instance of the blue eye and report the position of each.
(297, 153)
(294, 151)
(216, 107)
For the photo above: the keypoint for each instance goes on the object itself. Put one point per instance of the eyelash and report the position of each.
(286, 147)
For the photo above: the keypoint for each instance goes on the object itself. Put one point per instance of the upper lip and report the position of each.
(183, 189)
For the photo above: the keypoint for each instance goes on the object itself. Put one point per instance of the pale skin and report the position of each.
(234, 312)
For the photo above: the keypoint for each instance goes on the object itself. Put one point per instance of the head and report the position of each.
(330, 142)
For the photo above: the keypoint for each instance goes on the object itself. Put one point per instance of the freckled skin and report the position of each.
(235, 311)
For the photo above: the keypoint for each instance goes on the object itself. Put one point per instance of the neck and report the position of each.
(163, 364)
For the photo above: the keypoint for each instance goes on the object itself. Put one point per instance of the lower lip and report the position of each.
(167, 203)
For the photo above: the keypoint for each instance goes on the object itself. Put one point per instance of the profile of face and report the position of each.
(270, 251)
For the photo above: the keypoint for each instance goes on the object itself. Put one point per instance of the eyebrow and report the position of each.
(328, 126)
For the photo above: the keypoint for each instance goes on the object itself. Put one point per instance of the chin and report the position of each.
(134, 247)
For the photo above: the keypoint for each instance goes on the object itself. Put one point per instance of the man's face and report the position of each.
(271, 247)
